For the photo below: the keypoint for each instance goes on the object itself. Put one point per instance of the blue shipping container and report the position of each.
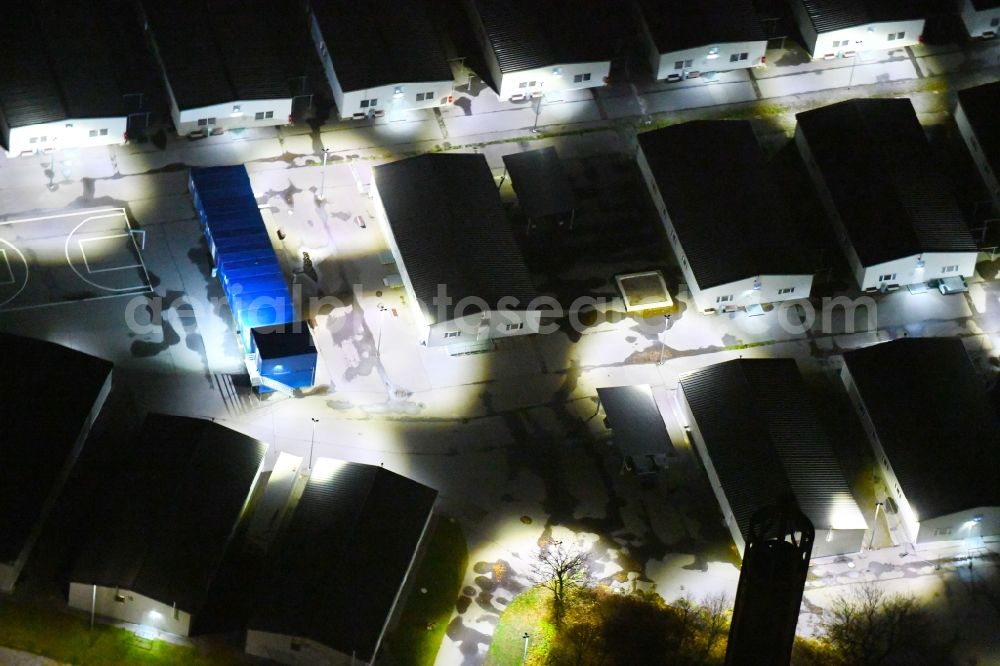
(251, 276)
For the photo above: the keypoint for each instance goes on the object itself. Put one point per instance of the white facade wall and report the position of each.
(990, 178)
(770, 288)
(478, 327)
(741, 293)
(127, 606)
(401, 96)
(961, 525)
(71, 133)
(542, 80)
(868, 37)
(929, 529)
(553, 79)
(395, 97)
(907, 517)
(906, 271)
(898, 272)
(710, 58)
(483, 326)
(699, 442)
(985, 23)
(295, 650)
(233, 115)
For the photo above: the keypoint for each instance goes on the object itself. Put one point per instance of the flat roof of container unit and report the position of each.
(55, 65)
(353, 523)
(541, 182)
(288, 339)
(934, 421)
(449, 225)
(216, 51)
(170, 514)
(980, 105)
(885, 183)
(733, 225)
(636, 421)
(676, 25)
(527, 35)
(46, 397)
(764, 438)
(829, 15)
(380, 42)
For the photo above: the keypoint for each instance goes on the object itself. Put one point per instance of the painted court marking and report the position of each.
(83, 251)
(91, 266)
(128, 227)
(6, 272)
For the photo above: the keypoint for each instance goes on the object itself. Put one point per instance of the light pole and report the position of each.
(524, 657)
(663, 345)
(538, 111)
(312, 441)
(322, 182)
(871, 540)
(378, 341)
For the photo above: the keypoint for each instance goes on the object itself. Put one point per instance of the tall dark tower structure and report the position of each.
(773, 576)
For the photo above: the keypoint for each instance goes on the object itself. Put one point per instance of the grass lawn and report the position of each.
(527, 612)
(66, 637)
(441, 572)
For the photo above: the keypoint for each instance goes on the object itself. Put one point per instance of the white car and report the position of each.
(950, 285)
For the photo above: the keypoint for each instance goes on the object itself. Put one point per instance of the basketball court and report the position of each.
(69, 257)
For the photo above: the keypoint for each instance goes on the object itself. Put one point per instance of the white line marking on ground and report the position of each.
(102, 270)
(26, 272)
(5, 264)
(53, 217)
(144, 287)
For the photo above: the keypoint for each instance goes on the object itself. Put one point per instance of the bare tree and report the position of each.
(700, 627)
(714, 611)
(868, 627)
(560, 569)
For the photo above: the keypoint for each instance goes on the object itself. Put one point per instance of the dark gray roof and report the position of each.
(449, 225)
(681, 24)
(877, 164)
(764, 438)
(380, 42)
(635, 419)
(934, 421)
(828, 15)
(541, 182)
(55, 64)
(45, 401)
(283, 340)
(337, 568)
(172, 510)
(980, 105)
(215, 51)
(526, 35)
(733, 223)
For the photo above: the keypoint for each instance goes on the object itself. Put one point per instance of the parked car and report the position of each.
(950, 285)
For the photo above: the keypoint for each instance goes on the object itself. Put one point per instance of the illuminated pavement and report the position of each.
(509, 437)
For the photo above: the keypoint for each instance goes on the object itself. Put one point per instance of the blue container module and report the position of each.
(251, 277)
